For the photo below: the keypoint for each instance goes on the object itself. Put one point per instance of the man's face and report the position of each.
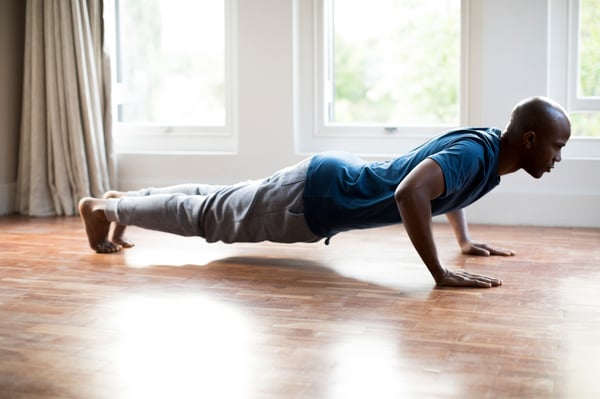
(545, 149)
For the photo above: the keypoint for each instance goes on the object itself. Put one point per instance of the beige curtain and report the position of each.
(65, 146)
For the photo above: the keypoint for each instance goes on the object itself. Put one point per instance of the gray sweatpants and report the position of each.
(270, 209)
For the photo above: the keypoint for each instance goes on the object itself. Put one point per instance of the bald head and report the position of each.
(537, 114)
(538, 130)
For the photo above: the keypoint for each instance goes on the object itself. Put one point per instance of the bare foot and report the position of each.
(118, 230)
(96, 225)
(113, 194)
(117, 236)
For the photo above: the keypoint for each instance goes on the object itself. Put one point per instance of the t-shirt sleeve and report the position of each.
(460, 163)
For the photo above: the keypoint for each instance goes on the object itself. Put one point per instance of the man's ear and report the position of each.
(528, 139)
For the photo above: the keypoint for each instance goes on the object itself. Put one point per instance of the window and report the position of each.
(584, 74)
(393, 62)
(174, 82)
(381, 71)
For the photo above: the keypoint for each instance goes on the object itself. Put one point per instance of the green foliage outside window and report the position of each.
(589, 44)
(172, 62)
(406, 72)
(588, 123)
(398, 63)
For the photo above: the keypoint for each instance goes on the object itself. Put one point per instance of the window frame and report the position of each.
(563, 33)
(313, 133)
(153, 137)
(574, 101)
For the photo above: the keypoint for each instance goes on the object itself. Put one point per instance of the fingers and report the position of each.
(478, 280)
(482, 249)
(478, 250)
(463, 278)
(489, 281)
(501, 251)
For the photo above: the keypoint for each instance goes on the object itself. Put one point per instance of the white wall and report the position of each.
(509, 53)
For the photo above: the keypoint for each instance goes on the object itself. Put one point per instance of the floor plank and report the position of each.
(177, 317)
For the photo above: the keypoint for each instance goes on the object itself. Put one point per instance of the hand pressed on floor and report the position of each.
(462, 278)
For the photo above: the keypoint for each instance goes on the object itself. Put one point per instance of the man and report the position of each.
(335, 192)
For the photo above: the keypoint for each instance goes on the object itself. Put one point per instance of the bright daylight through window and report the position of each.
(393, 62)
(586, 122)
(171, 67)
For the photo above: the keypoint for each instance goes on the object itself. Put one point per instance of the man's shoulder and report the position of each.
(486, 139)
(485, 133)
(468, 145)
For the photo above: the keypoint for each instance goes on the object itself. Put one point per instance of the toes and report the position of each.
(107, 247)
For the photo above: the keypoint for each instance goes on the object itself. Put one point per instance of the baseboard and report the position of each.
(7, 198)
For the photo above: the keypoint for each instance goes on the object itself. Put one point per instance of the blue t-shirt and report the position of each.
(343, 192)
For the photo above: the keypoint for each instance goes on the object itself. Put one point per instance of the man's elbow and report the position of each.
(407, 196)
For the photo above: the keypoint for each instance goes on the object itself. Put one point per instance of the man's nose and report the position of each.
(558, 156)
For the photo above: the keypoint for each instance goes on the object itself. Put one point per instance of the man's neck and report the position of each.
(508, 161)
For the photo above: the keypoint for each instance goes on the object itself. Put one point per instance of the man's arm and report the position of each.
(458, 221)
(413, 197)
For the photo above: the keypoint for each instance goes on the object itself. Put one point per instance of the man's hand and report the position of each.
(470, 247)
(458, 221)
(461, 278)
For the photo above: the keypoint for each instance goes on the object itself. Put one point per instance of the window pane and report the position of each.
(171, 62)
(585, 123)
(395, 62)
(589, 48)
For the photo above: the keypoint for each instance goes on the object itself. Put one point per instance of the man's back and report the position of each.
(344, 192)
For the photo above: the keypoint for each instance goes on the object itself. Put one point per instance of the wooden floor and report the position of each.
(178, 318)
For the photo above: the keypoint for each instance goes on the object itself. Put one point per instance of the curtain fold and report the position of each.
(66, 127)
